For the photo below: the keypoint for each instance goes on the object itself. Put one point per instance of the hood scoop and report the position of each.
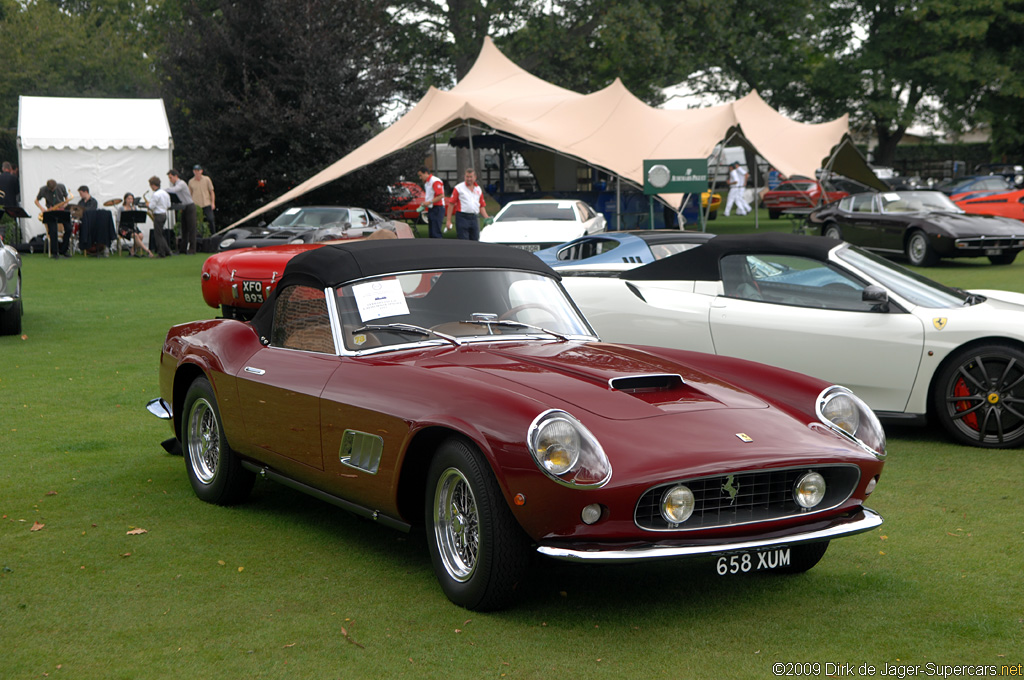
(655, 382)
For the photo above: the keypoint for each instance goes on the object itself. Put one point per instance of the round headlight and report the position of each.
(677, 504)
(567, 451)
(226, 242)
(841, 411)
(558, 446)
(809, 490)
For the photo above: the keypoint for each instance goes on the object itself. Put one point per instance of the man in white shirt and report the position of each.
(179, 188)
(159, 204)
(737, 185)
(467, 201)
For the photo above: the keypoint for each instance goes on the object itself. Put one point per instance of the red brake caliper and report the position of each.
(960, 390)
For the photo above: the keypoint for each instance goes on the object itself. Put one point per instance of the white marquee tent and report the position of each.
(113, 146)
(609, 129)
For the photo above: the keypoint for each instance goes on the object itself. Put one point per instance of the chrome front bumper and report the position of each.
(866, 520)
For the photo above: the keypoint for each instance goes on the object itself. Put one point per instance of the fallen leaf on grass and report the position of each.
(136, 532)
(291, 645)
(127, 554)
(347, 637)
(37, 526)
(50, 493)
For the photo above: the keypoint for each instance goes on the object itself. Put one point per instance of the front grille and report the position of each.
(990, 242)
(745, 497)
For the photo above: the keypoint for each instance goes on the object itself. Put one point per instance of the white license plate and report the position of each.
(993, 251)
(532, 247)
(252, 291)
(746, 562)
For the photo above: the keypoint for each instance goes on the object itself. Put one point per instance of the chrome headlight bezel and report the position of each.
(589, 467)
(227, 242)
(846, 413)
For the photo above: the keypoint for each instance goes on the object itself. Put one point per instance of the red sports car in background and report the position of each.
(405, 198)
(804, 193)
(454, 386)
(239, 281)
(1008, 204)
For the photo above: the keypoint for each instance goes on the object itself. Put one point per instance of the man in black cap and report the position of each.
(201, 187)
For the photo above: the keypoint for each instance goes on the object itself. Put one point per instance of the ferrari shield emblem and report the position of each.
(939, 322)
(744, 437)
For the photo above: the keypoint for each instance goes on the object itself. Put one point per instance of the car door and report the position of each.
(808, 316)
(281, 384)
(858, 215)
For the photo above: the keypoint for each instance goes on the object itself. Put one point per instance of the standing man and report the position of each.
(433, 202)
(10, 188)
(55, 195)
(737, 185)
(201, 187)
(159, 204)
(467, 201)
(178, 187)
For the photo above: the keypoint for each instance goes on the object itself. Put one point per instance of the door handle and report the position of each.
(254, 371)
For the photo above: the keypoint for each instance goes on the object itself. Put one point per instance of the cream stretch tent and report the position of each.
(609, 129)
(113, 146)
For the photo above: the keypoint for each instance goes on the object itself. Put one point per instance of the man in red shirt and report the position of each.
(433, 201)
(468, 203)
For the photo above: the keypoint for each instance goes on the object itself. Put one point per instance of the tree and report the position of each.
(266, 93)
(51, 52)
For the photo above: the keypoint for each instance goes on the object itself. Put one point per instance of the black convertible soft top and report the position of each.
(336, 264)
(702, 263)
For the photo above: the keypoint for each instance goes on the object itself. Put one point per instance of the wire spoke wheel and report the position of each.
(456, 525)
(983, 399)
(203, 441)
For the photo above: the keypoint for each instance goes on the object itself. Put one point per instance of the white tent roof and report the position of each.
(610, 129)
(81, 123)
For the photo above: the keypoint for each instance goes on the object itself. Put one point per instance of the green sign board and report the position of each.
(676, 176)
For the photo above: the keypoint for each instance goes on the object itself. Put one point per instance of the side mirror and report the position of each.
(877, 295)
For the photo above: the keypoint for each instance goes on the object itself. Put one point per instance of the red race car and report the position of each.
(804, 193)
(405, 198)
(454, 387)
(1008, 204)
(239, 281)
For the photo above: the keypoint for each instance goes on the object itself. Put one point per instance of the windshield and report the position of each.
(438, 306)
(917, 201)
(559, 212)
(310, 218)
(909, 285)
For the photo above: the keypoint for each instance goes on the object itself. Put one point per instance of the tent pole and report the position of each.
(472, 156)
(618, 203)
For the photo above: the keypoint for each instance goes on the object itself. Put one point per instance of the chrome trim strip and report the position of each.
(868, 521)
(160, 408)
(334, 318)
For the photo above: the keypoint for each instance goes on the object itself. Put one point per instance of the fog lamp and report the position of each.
(677, 504)
(809, 490)
(591, 513)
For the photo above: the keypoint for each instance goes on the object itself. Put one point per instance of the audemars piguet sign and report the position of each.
(676, 176)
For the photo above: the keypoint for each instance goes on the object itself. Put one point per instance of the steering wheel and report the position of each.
(529, 305)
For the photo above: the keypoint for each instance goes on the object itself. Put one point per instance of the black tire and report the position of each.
(978, 396)
(804, 556)
(919, 251)
(478, 550)
(10, 319)
(1005, 258)
(832, 230)
(774, 214)
(713, 215)
(214, 470)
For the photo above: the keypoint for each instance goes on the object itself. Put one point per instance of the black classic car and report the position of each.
(922, 225)
(307, 224)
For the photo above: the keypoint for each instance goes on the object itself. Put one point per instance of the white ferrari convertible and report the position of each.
(913, 349)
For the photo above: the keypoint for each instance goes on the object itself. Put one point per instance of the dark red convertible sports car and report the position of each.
(455, 386)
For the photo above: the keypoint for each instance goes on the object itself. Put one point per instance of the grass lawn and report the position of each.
(288, 587)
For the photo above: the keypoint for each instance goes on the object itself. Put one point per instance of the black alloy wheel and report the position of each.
(979, 396)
